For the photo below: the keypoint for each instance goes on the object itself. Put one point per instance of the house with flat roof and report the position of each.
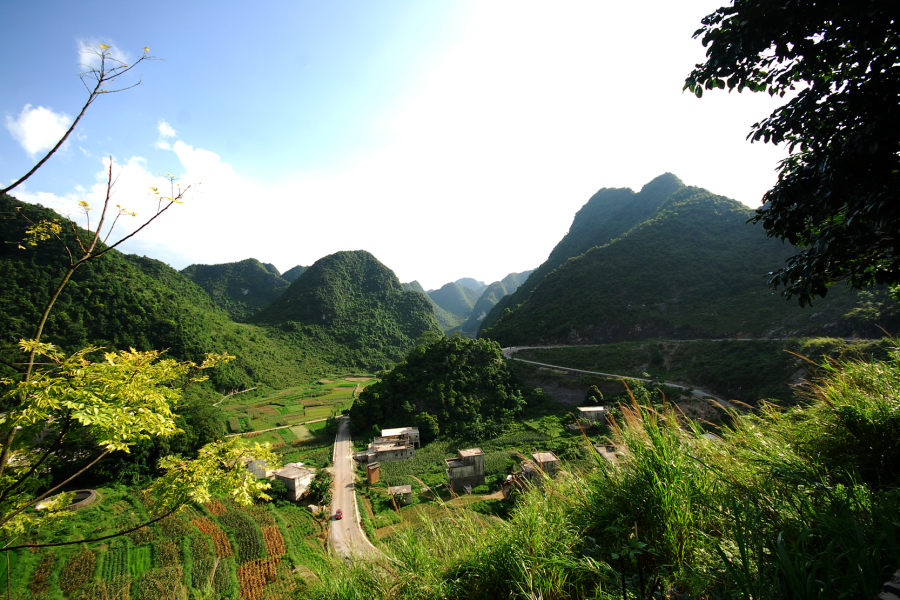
(546, 462)
(404, 492)
(296, 479)
(412, 433)
(386, 449)
(594, 414)
(467, 469)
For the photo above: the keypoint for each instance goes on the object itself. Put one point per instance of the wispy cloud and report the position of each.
(38, 129)
(166, 130)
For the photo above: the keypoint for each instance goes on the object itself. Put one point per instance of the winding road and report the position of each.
(508, 353)
(347, 535)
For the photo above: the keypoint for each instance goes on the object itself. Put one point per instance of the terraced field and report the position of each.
(246, 553)
(279, 417)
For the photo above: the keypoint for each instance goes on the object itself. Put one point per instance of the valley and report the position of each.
(648, 308)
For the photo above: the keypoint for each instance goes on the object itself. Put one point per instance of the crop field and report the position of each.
(243, 553)
(252, 414)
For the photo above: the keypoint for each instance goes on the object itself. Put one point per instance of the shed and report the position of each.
(402, 490)
(373, 472)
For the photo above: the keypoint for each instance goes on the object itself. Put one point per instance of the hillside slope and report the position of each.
(446, 321)
(121, 301)
(695, 270)
(607, 215)
(241, 289)
(491, 295)
(456, 299)
(293, 273)
(353, 309)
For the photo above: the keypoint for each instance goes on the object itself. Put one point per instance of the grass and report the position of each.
(795, 502)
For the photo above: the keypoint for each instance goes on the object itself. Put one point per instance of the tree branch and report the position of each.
(50, 491)
(99, 539)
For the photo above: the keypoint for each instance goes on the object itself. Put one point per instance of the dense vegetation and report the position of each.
(795, 503)
(608, 214)
(692, 271)
(241, 289)
(464, 384)
(350, 309)
(124, 301)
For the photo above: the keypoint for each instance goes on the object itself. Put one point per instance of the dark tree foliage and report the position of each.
(837, 193)
(463, 383)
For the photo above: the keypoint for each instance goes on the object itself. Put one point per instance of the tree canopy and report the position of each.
(463, 385)
(836, 198)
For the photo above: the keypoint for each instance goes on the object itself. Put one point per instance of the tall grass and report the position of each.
(786, 503)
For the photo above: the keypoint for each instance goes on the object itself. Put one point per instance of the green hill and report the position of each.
(121, 301)
(241, 289)
(607, 215)
(351, 310)
(463, 384)
(446, 321)
(456, 299)
(491, 295)
(695, 270)
(293, 273)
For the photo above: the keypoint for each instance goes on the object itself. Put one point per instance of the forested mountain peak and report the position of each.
(352, 299)
(242, 288)
(293, 273)
(456, 299)
(608, 214)
(694, 270)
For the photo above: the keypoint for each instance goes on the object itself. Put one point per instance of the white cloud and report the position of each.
(38, 129)
(163, 145)
(165, 130)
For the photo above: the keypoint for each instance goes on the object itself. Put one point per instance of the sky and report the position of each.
(449, 139)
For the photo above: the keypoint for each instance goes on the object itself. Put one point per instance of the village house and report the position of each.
(405, 493)
(594, 414)
(466, 470)
(547, 462)
(383, 449)
(296, 479)
(412, 433)
(373, 472)
(610, 453)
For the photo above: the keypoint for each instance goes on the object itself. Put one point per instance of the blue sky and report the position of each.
(450, 139)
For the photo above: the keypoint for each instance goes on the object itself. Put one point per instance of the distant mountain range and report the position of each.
(460, 305)
(670, 261)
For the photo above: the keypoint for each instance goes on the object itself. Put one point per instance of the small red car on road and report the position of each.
(339, 514)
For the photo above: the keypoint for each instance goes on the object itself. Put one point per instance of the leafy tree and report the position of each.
(464, 383)
(594, 396)
(320, 487)
(428, 426)
(112, 402)
(837, 193)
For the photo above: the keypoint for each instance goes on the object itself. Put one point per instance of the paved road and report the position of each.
(508, 353)
(347, 536)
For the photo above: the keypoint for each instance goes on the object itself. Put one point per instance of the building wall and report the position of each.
(389, 455)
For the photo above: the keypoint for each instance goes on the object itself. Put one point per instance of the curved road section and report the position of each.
(508, 353)
(347, 536)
